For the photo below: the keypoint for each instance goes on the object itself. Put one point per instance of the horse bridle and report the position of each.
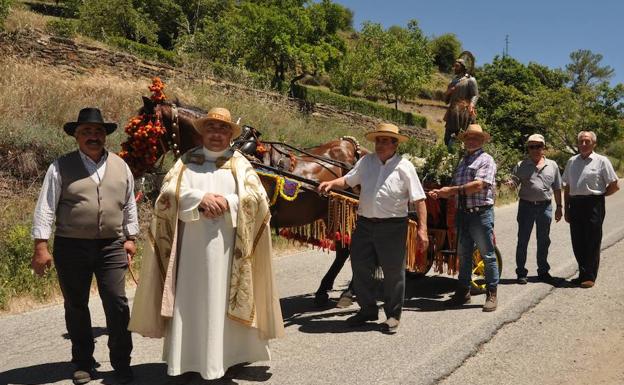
(174, 141)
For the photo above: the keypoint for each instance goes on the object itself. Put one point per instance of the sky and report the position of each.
(545, 31)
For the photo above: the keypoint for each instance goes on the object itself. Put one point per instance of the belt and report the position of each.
(585, 197)
(537, 203)
(477, 209)
(383, 220)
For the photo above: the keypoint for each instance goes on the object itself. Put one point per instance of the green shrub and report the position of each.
(62, 27)
(16, 277)
(434, 163)
(313, 95)
(72, 8)
(143, 50)
(561, 157)
(615, 149)
(4, 11)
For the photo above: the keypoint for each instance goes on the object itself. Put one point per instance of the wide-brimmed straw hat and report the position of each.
(386, 129)
(218, 114)
(474, 129)
(89, 116)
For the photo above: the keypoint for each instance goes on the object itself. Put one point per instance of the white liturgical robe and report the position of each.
(201, 338)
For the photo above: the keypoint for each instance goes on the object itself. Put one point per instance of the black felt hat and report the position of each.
(90, 116)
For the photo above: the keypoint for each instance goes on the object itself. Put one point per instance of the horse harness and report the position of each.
(174, 142)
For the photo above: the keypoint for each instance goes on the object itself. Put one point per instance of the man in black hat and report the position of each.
(461, 95)
(88, 195)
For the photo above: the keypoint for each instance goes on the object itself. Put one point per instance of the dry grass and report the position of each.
(21, 17)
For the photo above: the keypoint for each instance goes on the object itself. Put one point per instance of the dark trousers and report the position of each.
(383, 244)
(586, 216)
(76, 261)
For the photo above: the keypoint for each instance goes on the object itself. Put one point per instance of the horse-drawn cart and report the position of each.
(290, 177)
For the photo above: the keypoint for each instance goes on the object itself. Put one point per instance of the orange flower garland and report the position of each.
(157, 87)
(140, 150)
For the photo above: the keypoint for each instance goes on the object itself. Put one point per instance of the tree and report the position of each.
(518, 100)
(289, 37)
(585, 69)
(351, 73)
(445, 49)
(195, 11)
(101, 19)
(170, 17)
(399, 60)
(551, 78)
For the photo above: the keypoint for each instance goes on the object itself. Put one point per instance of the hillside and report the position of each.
(47, 79)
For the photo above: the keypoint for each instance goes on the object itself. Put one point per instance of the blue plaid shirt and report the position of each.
(477, 166)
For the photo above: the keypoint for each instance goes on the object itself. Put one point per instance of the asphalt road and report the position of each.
(536, 326)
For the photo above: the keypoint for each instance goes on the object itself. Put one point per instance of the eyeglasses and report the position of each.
(535, 146)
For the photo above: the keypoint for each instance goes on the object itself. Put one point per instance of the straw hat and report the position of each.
(386, 129)
(218, 114)
(474, 129)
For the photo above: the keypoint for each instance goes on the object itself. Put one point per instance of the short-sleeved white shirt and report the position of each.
(589, 176)
(385, 188)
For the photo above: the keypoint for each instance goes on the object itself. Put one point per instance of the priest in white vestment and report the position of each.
(213, 296)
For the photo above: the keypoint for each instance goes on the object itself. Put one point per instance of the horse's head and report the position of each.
(148, 106)
(180, 135)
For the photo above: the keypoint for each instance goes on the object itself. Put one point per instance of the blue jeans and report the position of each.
(541, 215)
(476, 228)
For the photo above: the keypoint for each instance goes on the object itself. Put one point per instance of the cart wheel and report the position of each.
(477, 285)
(431, 251)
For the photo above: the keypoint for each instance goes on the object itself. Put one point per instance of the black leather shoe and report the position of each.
(81, 376)
(124, 376)
(360, 319)
(321, 299)
(461, 296)
(546, 277)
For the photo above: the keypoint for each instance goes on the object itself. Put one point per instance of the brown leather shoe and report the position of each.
(344, 302)
(587, 284)
(81, 377)
(490, 300)
(391, 325)
(461, 296)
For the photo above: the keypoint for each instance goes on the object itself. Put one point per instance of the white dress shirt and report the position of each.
(45, 211)
(386, 188)
(589, 176)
